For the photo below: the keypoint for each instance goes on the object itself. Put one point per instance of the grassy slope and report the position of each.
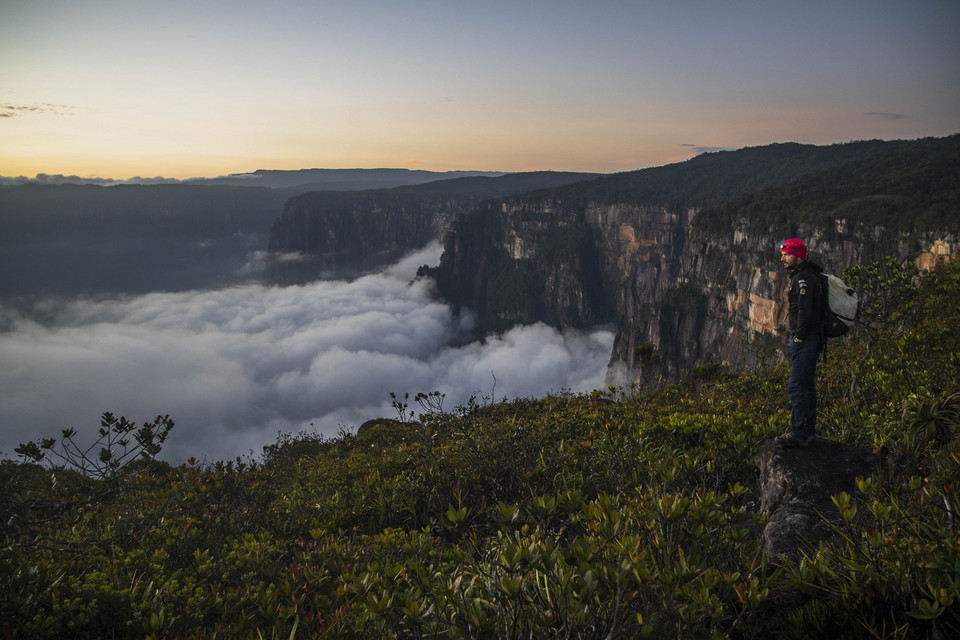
(566, 516)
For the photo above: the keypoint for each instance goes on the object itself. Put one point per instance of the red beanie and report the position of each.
(796, 247)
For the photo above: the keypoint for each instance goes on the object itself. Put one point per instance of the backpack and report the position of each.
(841, 307)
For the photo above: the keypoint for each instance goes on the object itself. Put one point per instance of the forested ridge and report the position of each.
(905, 188)
(714, 179)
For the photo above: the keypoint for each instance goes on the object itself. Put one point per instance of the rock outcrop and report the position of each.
(655, 254)
(796, 490)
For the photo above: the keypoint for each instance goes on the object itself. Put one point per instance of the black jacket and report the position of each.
(804, 311)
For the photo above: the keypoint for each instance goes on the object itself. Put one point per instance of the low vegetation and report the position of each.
(570, 516)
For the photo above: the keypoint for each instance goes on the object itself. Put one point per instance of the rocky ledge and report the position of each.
(796, 489)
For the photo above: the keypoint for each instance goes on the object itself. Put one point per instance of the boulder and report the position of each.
(796, 487)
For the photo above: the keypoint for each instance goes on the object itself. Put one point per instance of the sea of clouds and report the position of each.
(236, 367)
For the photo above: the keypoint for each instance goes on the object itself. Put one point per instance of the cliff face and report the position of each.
(523, 263)
(697, 296)
(336, 234)
(342, 234)
(700, 285)
(725, 299)
(682, 259)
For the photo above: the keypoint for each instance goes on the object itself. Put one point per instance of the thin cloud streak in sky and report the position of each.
(885, 116)
(236, 366)
(14, 110)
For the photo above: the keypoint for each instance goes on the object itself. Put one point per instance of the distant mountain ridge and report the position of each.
(300, 180)
(338, 179)
(70, 239)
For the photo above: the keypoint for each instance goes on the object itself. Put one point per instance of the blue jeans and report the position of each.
(803, 386)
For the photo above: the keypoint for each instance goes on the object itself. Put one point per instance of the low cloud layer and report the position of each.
(237, 366)
(59, 178)
(697, 149)
(8, 110)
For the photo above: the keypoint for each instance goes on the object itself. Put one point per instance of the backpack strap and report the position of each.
(824, 292)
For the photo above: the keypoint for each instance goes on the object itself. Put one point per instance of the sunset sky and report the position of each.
(123, 88)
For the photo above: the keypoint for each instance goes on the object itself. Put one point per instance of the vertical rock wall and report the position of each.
(665, 278)
(523, 263)
(724, 300)
(333, 234)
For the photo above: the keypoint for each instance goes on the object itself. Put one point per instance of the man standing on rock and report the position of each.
(806, 341)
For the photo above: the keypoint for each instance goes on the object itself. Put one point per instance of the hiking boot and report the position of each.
(788, 441)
